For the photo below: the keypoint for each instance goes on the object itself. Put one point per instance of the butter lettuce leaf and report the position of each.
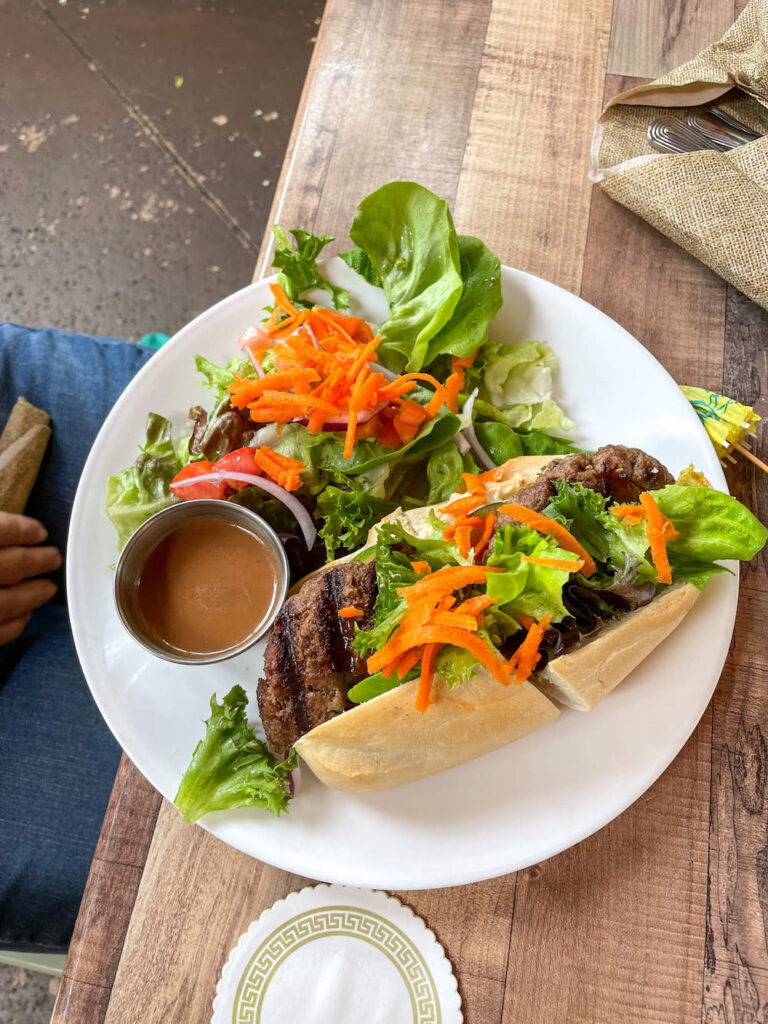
(480, 301)
(231, 768)
(712, 525)
(524, 588)
(407, 233)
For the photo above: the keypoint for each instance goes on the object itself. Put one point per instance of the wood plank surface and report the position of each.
(650, 37)
(736, 961)
(663, 915)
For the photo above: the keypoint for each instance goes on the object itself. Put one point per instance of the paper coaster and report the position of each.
(336, 955)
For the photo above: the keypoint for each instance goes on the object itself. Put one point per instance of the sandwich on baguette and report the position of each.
(460, 627)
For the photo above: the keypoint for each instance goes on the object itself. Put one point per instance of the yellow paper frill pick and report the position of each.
(727, 422)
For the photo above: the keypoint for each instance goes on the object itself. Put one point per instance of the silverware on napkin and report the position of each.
(712, 128)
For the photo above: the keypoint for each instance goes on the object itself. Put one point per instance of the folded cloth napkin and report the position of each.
(22, 446)
(715, 205)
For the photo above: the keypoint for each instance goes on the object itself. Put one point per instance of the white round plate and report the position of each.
(504, 811)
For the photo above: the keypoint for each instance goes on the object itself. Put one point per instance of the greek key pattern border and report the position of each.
(338, 920)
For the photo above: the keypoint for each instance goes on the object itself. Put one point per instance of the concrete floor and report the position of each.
(26, 997)
(140, 144)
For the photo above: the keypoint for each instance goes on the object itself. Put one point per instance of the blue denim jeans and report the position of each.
(57, 757)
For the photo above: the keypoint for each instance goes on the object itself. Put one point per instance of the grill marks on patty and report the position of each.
(309, 663)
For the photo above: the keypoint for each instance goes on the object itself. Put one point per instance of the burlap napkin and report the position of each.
(22, 446)
(715, 205)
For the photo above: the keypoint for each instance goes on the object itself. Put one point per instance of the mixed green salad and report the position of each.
(409, 448)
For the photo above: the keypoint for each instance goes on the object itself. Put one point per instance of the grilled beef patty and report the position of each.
(614, 471)
(309, 663)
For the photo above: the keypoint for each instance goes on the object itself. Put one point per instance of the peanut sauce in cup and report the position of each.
(201, 581)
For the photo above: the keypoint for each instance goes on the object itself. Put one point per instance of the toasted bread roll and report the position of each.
(386, 742)
(583, 677)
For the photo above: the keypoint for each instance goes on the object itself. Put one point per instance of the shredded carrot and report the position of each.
(420, 567)
(424, 692)
(455, 381)
(437, 400)
(461, 506)
(407, 661)
(404, 639)
(474, 484)
(446, 580)
(632, 513)
(245, 390)
(455, 618)
(463, 537)
(484, 539)
(350, 612)
(283, 470)
(564, 564)
(526, 657)
(282, 301)
(492, 476)
(659, 530)
(475, 605)
(543, 524)
(526, 621)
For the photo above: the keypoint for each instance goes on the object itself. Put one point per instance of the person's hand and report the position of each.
(21, 560)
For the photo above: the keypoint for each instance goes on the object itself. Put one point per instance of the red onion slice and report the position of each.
(471, 436)
(291, 502)
(461, 442)
(256, 363)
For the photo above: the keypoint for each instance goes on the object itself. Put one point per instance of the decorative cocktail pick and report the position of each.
(727, 422)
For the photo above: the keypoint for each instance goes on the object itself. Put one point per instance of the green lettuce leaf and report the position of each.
(408, 235)
(374, 686)
(499, 441)
(585, 514)
(537, 442)
(298, 267)
(478, 304)
(359, 262)
(142, 489)
(524, 588)
(444, 468)
(515, 380)
(455, 665)
(697, 573)
(231, 768)
(368, 454)
(348, 516)
(712, 525)
(218, 378)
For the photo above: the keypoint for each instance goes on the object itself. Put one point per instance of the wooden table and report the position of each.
(663, 915)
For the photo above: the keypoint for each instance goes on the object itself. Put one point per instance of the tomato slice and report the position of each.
(239, 461)
(207, 489)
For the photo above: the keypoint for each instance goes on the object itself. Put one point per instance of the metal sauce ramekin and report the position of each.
(134, 556)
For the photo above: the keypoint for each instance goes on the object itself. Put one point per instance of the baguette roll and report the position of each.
(582, 678)
(385, 742)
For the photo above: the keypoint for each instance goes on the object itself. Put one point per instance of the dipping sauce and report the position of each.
(207, 587)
